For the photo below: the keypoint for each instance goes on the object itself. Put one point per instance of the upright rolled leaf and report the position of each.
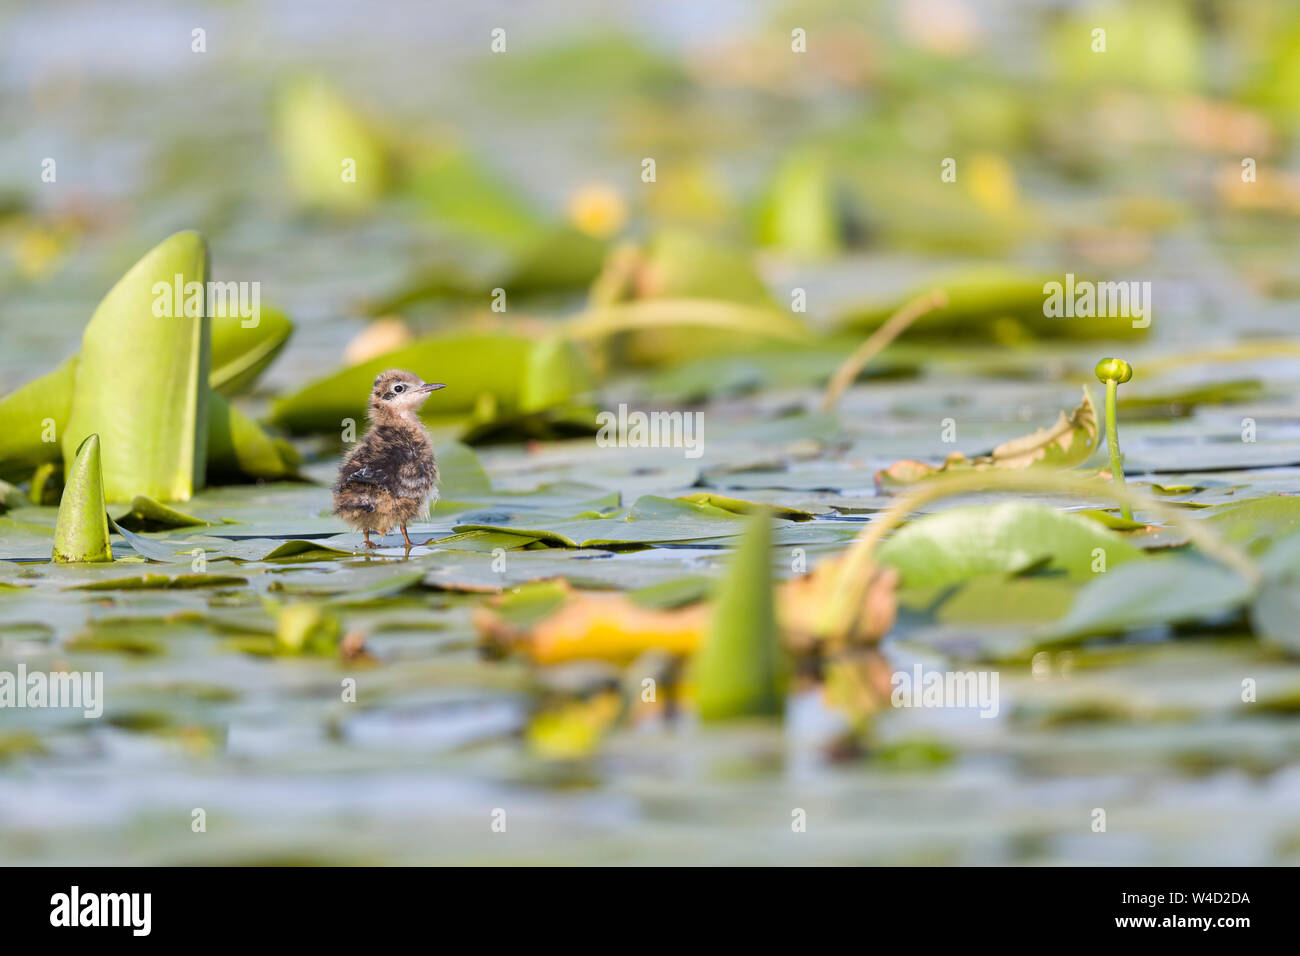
(243, 347)
(473, 364)
(557, 373)
(142, 379)
(237, 445)
(81, 532)
(740, 670)
(31, 420)
(333, 157)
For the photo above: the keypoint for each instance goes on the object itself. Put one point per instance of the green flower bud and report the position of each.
(1118, 370)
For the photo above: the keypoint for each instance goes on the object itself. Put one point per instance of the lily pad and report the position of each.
(1150, 592)
(951, 546)
(651, 519)
(1070, 442)
(145, 514)
(143, 582)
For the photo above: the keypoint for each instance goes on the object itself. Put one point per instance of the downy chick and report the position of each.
(391, 474)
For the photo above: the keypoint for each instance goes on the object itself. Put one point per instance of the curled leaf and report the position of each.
(243, 347)
(142, 379)
(740, 670)
(81, 531)
(1066, 444)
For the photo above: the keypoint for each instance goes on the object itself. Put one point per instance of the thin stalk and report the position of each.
(1112, 441)
(876, 343)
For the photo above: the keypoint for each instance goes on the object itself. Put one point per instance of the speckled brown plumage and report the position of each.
(390, 476)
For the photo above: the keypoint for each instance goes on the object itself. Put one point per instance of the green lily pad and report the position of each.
(1257, 519)
(305, 549)
(999, 599)
(148, 547)
(148, 582)
(145, 514)
(742, 507)
(1153, 591)
(651, 519)
(951, 546)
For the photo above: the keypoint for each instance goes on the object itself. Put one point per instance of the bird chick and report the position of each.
(391, 474)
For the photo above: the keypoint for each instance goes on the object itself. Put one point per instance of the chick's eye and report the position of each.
(399, 388)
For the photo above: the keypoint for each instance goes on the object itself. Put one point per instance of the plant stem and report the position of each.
(876, 343)
(1112, 440)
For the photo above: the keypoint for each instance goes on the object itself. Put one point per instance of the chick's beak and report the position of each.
(430, 387)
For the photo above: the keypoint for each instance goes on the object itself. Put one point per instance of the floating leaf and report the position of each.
(303, 549)
(1070, 442)
(651, 519)
(149, 548)
(951, 546)
(1113, 521)
(166, 582)
(462, 476)
(740, 669)
(741, 507)
(1153, 591)
(999, 599)
(145, 514)
(81, 533)
(1257, 519)
(141, 381)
